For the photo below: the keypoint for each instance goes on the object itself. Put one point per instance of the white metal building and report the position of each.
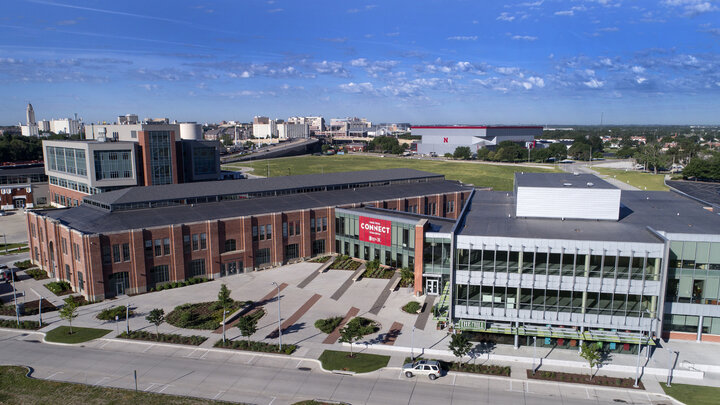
(445, 139)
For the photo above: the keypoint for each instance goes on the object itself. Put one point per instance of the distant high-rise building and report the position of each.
(30, 115)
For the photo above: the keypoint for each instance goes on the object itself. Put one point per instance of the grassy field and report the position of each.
(499, 177)
(360, 363)
(693, 394)
(61, 334)
(15, 388)
(653, 182)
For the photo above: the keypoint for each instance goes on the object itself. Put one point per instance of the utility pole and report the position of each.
(279, 318)
(127, 318)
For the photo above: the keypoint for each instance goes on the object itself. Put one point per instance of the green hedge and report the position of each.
(37, 274)
(411, 307)
(254, 346)
(23, 265)
(329, 324)
(164, 337)
(34, 325)
(59, 287)
(109, 314)
(176, 284)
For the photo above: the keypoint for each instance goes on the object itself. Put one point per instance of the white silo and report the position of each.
(191, 130)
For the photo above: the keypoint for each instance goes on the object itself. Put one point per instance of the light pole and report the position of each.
(224, 313)
(5, 241)
(127, 318)
(637, 363)
(534, 352)
(17, 310)
(279, 318)
(670, 364)
(40, 309)
(412, 345)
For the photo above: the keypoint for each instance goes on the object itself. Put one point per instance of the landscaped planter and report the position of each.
(254, 346)
(584, 379)
(164, 338)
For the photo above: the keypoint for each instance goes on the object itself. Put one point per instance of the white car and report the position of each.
(430, 368)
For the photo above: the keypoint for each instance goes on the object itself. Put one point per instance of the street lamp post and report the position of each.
(40, 309)
(279, 318)
(17, 310)
(224, 313)
(637, 363)
(534, 352)
(127, 318)
(412, 345)
(670, 364)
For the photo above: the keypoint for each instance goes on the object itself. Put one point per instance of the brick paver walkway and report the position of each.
(392, 334)
(296, 316)
(335, 335)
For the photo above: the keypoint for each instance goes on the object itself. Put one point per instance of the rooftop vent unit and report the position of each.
(576, 174)
(567, 184)
(590, 184)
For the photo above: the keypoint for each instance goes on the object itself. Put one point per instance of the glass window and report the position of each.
(197, 268)
(262, 232)
(106, 258)
(159, 274)
(158, 247)
(126, 252)
(297, 227)
(269, 232)
(312, 224)
(195, 242)
(203, 241)
(81, 281)
(255, 233)
(324, 224)
(116, 253)
(262, 257)
(284, 229)
(166, 246)
(186, 243)
(230, 245)
(148, 248)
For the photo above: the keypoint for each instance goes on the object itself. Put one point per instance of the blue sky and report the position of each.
(482, 62)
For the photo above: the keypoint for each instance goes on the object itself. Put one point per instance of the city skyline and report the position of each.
(522, 62)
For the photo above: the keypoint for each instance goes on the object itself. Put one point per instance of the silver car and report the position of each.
(430, 368)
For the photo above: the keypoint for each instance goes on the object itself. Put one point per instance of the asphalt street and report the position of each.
(259, 379)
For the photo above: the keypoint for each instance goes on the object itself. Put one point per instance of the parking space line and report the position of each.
(152, 385)
(454, 376)
(251, 359)
(205, 354)
(191, 353)
(53, 375)
(100, 381)
(148, 348)
(298, 365)
(104, 344)
(273, 400)
(165, 387)
(218, 395)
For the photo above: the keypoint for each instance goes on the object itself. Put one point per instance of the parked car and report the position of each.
(430, 368)
(6, 273)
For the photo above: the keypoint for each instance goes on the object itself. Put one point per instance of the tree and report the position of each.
(580, 150)
(224, 299)
(652, 156)
(407, 275)
(591, 352)
(351, 333)
(247, 326)
(69, 311)
(462, 152)
(558, 151)
(459, 345)
(156, 317)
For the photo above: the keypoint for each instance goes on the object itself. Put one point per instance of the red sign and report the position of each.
(376, 231)
(445, 140)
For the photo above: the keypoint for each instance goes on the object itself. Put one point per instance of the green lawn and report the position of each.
(11, 245)
(360, 363)
(653, 182)
(499, 177)
(16, 388)
(61, 334)
(693, 394)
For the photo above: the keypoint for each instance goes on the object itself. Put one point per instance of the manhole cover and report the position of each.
(304, 368)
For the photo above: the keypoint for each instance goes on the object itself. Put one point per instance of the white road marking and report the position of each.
(100, 381)
(298, 365)
(148, 348)
(165, 387)
(218, 395)
(152, 385)
(191, 353)
(206, 353)
(454, 376)
(273, 400)
(250, 361)
(53, 375)
(104, 344)
(587, 391)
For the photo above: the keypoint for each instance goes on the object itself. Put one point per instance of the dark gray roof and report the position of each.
(491, 213)
(93, 220)
(437, 224)
(560, 180)
(233, 187)
(709, 193)
(21, 170)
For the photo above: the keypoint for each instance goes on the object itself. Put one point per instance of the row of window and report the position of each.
(196, 241)
(66, 160)
(69, 184)
(80, 279)
(64, 246)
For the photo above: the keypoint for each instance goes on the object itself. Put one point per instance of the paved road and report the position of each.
(249, 378)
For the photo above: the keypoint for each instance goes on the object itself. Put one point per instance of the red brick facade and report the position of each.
(65, 197)
(10, 194)
(46, 245)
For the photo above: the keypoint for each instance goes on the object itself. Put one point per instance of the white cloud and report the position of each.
(692, 7)
(276, 10)
(638, 69)
(524, 37)
(463, 38)
(640, 80)
(351, 87)
(594, 83)
(505, 16)
(536, 81)
(359, 62)
(568, 13)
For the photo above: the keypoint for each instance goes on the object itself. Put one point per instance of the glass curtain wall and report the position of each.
(400, 253)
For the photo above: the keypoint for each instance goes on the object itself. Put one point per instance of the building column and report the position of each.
(699, 330)
(138, 271)
(247, 244)
(586, 274)
(517, 336)
(418, 259)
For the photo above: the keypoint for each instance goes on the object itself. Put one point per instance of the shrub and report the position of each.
(411, 307)
(23, 265)
(255, 346)
(37, 274)
(329, 324)
(7, 323)
(164, 337)
(109, 314)
(366, 326)
(58, 287)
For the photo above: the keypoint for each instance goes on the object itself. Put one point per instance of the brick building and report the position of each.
(128, 241)
(22, 186)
